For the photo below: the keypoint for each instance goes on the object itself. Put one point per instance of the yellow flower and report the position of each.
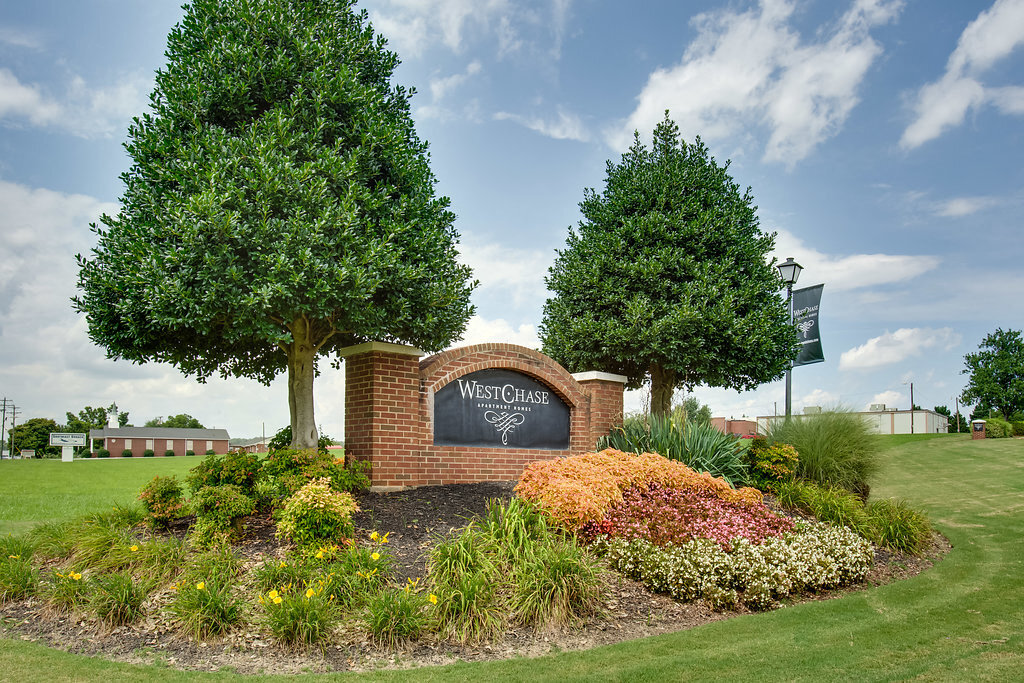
(384, 539)
(433, 599)
(272, 594)
(261, 600)
(320, 555)
(201, 585)
(13, 557)
(135, 548)
(310, 592)
(375, 556)
(75, 575)
(277, 600)
(283, 564)
(374, 536)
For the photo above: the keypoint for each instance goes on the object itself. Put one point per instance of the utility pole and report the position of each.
(3, 423)
(14, 421)
(957, 399)
(911, 407)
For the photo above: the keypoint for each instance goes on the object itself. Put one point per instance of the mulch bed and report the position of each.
(414, 518)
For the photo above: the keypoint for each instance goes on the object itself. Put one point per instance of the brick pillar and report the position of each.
(382, 424)
(605, 392)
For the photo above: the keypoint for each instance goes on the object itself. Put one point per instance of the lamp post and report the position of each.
(790, 272)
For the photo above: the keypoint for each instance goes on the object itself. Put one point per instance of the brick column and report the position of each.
(382, 423)
(605, 391)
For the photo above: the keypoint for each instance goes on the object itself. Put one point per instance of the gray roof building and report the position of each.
(159, 433)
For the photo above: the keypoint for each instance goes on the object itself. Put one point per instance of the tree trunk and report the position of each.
(301, 355)
(663, 385)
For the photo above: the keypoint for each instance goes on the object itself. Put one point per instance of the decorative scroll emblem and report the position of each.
(805, 327)
(504, 422)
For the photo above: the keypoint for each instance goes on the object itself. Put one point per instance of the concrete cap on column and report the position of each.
(383, 347)
(602, 376)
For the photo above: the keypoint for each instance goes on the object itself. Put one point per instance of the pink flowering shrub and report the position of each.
(662, 515)
(582, 488)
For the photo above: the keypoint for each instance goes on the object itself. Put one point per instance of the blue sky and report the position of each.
(882, 141)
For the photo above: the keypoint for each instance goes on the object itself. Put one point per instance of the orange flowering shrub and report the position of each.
(581, 488)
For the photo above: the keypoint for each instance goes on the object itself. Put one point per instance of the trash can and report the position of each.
(977, 429)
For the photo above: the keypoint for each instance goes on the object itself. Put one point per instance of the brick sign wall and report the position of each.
(390, 401)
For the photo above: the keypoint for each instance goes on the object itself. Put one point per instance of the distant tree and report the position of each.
(34, 434)
(996, 373)
(693, 411)
(954, 420)
(668, 278)
(279, 206)
(182, 421)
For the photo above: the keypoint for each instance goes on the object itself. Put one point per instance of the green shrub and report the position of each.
(148, 453)
(18, 578)
(169, 453)
(190, 452)
(699, 446)
(117, 598)
(103, 453)
(836, 448)
(88, 454)
(896, 525)
(769, 463)
(997, 428)
(317, 515)
(219, 511)
(1018, 428)
(210, 451)
(283, 439)
(238, 468)
(292, 469)
(396, 616)
(161, 498)
(300, 616)
(205, 608)
(126, 453)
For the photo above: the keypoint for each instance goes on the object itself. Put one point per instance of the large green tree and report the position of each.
(279, 205)
(667, 279)
(996, 373)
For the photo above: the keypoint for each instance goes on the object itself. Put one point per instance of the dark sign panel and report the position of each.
(500, 409)
(806, 303)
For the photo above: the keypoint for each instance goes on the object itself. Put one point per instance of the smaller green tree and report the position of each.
(34, 435)
(957, 423)
(996, 372)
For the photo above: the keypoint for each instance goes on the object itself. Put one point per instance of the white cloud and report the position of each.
(481, 330)
(964, 206)
(441, 87)
(854, 271)
(82, 109)
(565, 125)
(20, 38)
(944, 104)
(890, 399)
(818, 397)
(895, 347)
(752, 68)
(514, 275)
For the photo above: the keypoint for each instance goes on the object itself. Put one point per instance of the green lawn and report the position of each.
(962, 620)
(33, 491)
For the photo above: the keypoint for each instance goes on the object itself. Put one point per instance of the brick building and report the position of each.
(161, 439)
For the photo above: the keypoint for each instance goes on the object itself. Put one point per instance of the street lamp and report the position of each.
(790, 272)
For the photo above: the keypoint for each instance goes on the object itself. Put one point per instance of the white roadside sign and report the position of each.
(67, 439)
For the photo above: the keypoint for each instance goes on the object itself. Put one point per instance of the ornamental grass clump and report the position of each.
(398, 615)
(579, 489)
(662, 515)
(836, 449)
(558, 585)
(64, 591)
(300, 617)
(205, 608)
(896, 525)
(117, 598)
(317, 515)
(697, 445)
(18, 577)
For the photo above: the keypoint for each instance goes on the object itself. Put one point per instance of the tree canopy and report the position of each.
(34, 434)
(279, 205)
(667, 279)
(180, 421)
(996, 373)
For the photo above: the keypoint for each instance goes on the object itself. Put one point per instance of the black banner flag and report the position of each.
(805, 315)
